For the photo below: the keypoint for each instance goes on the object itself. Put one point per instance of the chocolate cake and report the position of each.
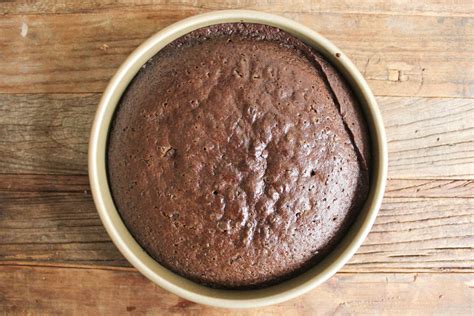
(238, 156)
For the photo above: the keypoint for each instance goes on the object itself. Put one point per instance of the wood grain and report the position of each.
(54, 227)
(44, 133)
(49, 133)
(44, 183)
(400, 55)
(429, 138)
(430, 189)
(426, 231)
(52, 291)
(426, 7)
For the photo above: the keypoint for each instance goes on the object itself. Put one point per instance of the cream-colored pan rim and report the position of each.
(175, 283)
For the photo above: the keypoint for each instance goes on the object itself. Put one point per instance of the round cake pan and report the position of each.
(179, 285)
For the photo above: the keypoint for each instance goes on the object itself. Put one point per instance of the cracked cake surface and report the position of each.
(238, 156)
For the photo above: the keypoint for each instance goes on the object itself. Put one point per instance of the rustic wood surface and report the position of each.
(74, 291)
(56, 58)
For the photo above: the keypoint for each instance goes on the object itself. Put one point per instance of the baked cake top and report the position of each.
(238, 156)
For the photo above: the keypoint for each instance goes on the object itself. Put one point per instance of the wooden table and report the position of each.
(56, 59)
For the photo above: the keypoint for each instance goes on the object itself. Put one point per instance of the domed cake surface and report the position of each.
(238, 156)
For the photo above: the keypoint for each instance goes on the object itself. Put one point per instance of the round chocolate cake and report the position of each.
(238, 156)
